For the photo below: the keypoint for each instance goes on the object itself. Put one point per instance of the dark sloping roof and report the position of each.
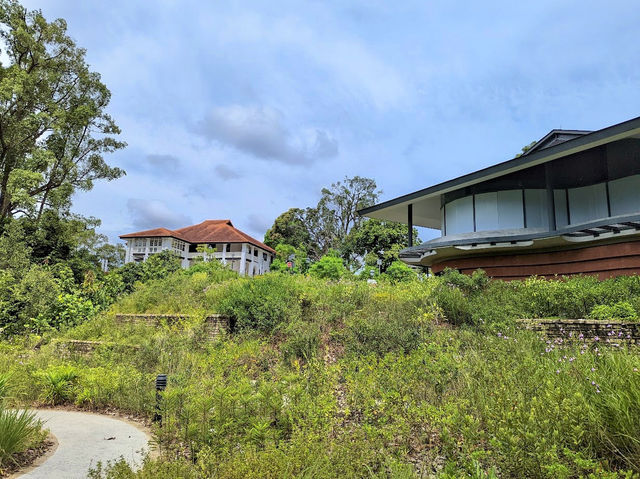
(395, 209)
(209, 231)
(555, 137)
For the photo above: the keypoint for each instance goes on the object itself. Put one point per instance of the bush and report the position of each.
(328, 267)
(58, 384)
(453, 303)
(302, 341)
(621, 310)
(262, 303)
(379, 335)
(399, 272)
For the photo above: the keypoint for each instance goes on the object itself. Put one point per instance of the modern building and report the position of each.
(240, 251)
(569, 205)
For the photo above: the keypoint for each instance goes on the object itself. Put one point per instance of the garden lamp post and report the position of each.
(161, 385)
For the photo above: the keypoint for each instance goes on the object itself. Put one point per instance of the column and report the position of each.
(551, 200)
(410, 222)
(243, 259)
(224, 253)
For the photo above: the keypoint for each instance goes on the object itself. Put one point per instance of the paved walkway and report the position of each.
(83, 440)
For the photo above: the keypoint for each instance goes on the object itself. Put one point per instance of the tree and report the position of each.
(345, 199)
(374, 236)
(325, 227)
(53, 126)
(288, 228)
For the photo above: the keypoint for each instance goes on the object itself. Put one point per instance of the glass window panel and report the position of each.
(460, 216)
(588, 203)
(487, 212)
(560, 202)
(536, 206)
(624, 195)
(510, 213)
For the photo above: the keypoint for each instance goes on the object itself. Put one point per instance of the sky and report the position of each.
(242, 110)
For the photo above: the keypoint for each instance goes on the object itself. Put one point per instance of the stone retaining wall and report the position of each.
(606, 332)
(67, 347)
(214, 324)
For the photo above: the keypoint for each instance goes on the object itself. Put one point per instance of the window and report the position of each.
(459, 214)
(255, 252)
(535, 202)
(228, 247)
(500, 210)
(155, 245)
(623, 195)
(139, 245)
(264, 256)
(178, 245)
(588, 203)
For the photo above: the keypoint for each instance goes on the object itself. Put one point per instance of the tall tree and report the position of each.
(288, 228)
(344, 199)
(54, 129)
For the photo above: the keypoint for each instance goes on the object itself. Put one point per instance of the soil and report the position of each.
(24, 460)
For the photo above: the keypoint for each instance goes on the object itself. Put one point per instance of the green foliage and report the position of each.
(160, 265)
(262, 303)
(50, 100)
(622, 310)
(328, 267)
(302, 342)
(349, 379)
(58, 384)
(289, 228)
(399, 272)
(18, 430)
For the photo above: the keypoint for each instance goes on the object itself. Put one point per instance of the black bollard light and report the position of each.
(161, 385)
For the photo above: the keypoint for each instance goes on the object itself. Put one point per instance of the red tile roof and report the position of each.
(209, 231)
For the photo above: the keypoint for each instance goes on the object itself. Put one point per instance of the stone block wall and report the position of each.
(214, 324)
(605, 332)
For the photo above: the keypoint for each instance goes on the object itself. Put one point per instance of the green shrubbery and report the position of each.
(19, 428)
(262, 303)
(344, 378)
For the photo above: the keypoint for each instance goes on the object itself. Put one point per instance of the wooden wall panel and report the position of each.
(604, 261)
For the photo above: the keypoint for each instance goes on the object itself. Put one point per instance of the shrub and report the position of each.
(328, 267)
(621, 310)
(380, 335)
(19, 429)
(58, 384)
(262, 303)
(302, 341)
(399, 272)
(454, 304)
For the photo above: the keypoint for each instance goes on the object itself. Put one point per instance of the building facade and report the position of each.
(569, 205)
(232, 247)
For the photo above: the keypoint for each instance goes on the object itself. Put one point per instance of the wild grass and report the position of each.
(344, 379)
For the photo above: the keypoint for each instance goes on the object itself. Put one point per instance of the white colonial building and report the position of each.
(231, 246)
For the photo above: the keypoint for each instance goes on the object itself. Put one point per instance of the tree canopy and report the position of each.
(54, 129)
(326, 226)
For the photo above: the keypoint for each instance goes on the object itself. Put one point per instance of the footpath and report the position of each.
(83, 440)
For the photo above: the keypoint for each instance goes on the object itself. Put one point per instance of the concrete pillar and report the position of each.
(243, 259)
(410, 222)
(224, 253)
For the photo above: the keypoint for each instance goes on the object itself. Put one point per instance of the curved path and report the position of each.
(83, 440)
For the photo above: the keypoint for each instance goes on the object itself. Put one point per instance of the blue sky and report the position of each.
(242, 110)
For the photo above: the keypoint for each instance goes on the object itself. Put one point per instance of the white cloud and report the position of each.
(261, 132)
(148, 214)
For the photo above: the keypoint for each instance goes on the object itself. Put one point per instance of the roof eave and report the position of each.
(590, 140)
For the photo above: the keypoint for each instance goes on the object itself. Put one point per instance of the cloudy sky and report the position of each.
(242, 110)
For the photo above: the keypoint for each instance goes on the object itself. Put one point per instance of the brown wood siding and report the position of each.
(604, 261)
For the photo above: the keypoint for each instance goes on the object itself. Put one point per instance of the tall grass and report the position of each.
(18, 430)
